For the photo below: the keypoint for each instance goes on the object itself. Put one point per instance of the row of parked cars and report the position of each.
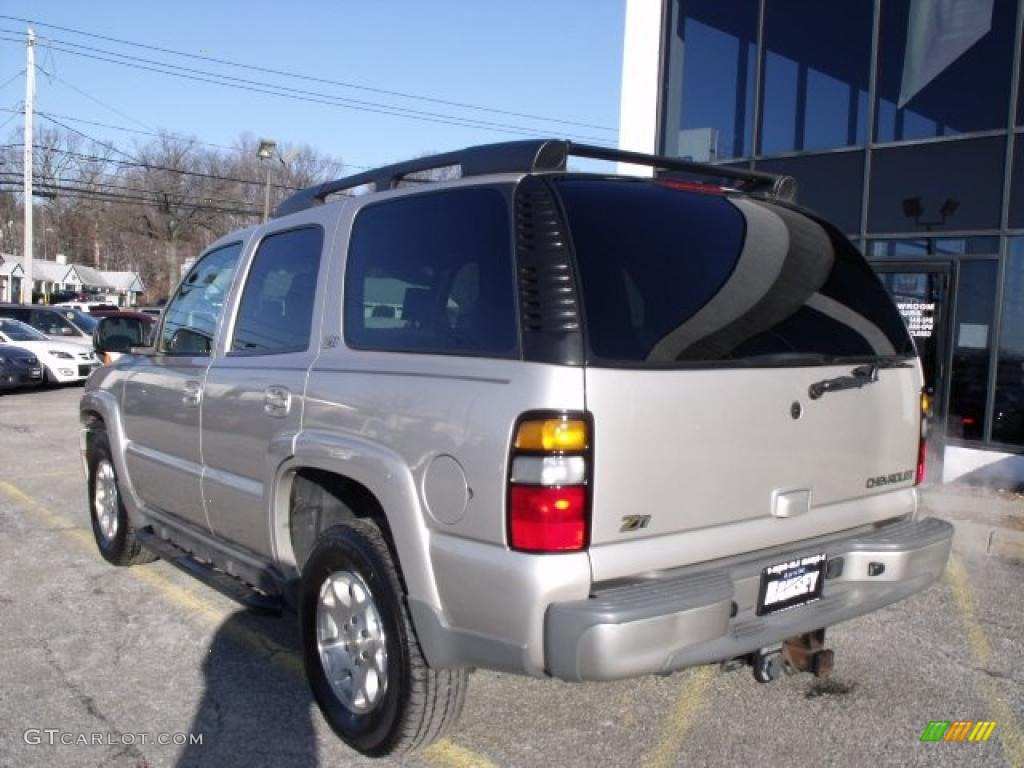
(54, 345)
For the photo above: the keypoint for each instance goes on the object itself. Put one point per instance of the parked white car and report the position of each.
(62, 363)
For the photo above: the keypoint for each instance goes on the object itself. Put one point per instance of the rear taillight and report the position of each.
(548, 496)
(922, 444)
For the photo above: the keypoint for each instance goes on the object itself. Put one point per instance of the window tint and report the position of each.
(190, 320)
(972, 349)
(943, 68)
(276, 312)
(709, 111)
(831, 184)
(816, 67)
(1008, 417)
(951, 185)
(433, 273)
(673, 277)
(51, 322)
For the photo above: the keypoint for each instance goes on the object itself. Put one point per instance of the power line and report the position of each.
(103, 104)
(289, 92)
(113, 197)
(10, 80)
(151, 166)
(313, 78)
(168, 134)
(134, 161)
(60, 183)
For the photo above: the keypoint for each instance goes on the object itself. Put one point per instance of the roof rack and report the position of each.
(531, 156)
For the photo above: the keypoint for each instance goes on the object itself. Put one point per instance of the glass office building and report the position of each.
(903, 122)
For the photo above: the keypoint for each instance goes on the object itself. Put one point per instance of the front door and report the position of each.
(922, 294)
(163, 395)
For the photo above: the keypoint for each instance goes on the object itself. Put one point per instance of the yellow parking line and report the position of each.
(680, 720)
(1008, 727)
(444, 752)
(61, 473)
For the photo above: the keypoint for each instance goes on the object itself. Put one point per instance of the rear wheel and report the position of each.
(115, 536)
(362, 659)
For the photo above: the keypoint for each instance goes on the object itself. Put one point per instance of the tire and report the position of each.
(411, 705)
(113, 531)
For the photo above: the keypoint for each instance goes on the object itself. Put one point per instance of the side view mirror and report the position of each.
(119, 334)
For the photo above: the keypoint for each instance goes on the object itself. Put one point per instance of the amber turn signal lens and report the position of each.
(552, 435)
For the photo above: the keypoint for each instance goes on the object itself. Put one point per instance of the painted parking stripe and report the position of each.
(442, 753)
(1011, 736)
(680, 720)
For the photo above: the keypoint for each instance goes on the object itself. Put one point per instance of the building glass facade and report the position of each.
(903, 122)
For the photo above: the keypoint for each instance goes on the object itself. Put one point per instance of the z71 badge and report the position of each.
(897, 477)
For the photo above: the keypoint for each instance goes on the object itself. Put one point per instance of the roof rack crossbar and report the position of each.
(530, 156)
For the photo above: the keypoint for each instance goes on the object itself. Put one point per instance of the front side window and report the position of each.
(51, 323)
(675, 278)
(191, 317)
(13, 330)
(276, 311)
(433, 273)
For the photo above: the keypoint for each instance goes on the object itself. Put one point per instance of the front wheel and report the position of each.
(362, 660)
(115, 536)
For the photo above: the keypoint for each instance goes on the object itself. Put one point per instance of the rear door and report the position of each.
(708, 320)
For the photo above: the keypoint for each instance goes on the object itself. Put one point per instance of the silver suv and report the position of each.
(569, 425)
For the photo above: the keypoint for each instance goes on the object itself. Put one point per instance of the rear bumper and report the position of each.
(663, 624)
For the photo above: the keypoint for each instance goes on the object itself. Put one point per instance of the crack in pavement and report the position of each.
(88, 703)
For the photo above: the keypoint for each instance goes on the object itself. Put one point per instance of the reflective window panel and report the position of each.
(1008, 417)
(830, 184)
(943, 67)
(972, 349)
(1017, 183)
(950, 185)
(719, 45)
(817, 63)
(926, 247)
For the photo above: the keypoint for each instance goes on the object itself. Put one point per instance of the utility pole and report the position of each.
(30, 97)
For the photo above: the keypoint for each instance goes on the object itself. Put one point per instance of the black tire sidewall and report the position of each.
(345, 548)
(99, 449)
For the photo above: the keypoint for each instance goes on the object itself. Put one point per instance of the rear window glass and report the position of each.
(673, 277)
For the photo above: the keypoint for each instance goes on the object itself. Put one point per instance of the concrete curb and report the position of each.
(987, 523)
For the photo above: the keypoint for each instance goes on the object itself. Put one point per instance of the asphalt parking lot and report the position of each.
(133, 653)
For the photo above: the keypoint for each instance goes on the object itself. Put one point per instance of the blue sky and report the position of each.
(552, 58)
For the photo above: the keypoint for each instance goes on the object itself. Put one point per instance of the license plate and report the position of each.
(35, 373)
(792, 583)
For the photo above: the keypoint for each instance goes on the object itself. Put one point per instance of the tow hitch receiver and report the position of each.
(807, 653)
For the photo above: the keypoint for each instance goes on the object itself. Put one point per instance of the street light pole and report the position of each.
(266, 151)
(266, 194)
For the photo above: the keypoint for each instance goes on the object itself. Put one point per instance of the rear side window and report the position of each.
(671, 277)
(433, 273)
(276, 311)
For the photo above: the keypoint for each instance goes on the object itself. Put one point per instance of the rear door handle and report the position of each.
(193, 394)
(277, 401)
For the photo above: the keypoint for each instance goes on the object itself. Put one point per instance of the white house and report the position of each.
(121, 288)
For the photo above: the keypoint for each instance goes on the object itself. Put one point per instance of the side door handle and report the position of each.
(193, 394)
(277, 401)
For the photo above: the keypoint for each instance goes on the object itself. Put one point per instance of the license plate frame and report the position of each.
(791, 583)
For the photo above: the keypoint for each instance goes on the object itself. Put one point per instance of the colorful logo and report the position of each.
(958, 730)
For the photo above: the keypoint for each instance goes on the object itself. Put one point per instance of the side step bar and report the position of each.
(225, 583)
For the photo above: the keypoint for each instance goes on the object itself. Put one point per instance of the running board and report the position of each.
(225, 583)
